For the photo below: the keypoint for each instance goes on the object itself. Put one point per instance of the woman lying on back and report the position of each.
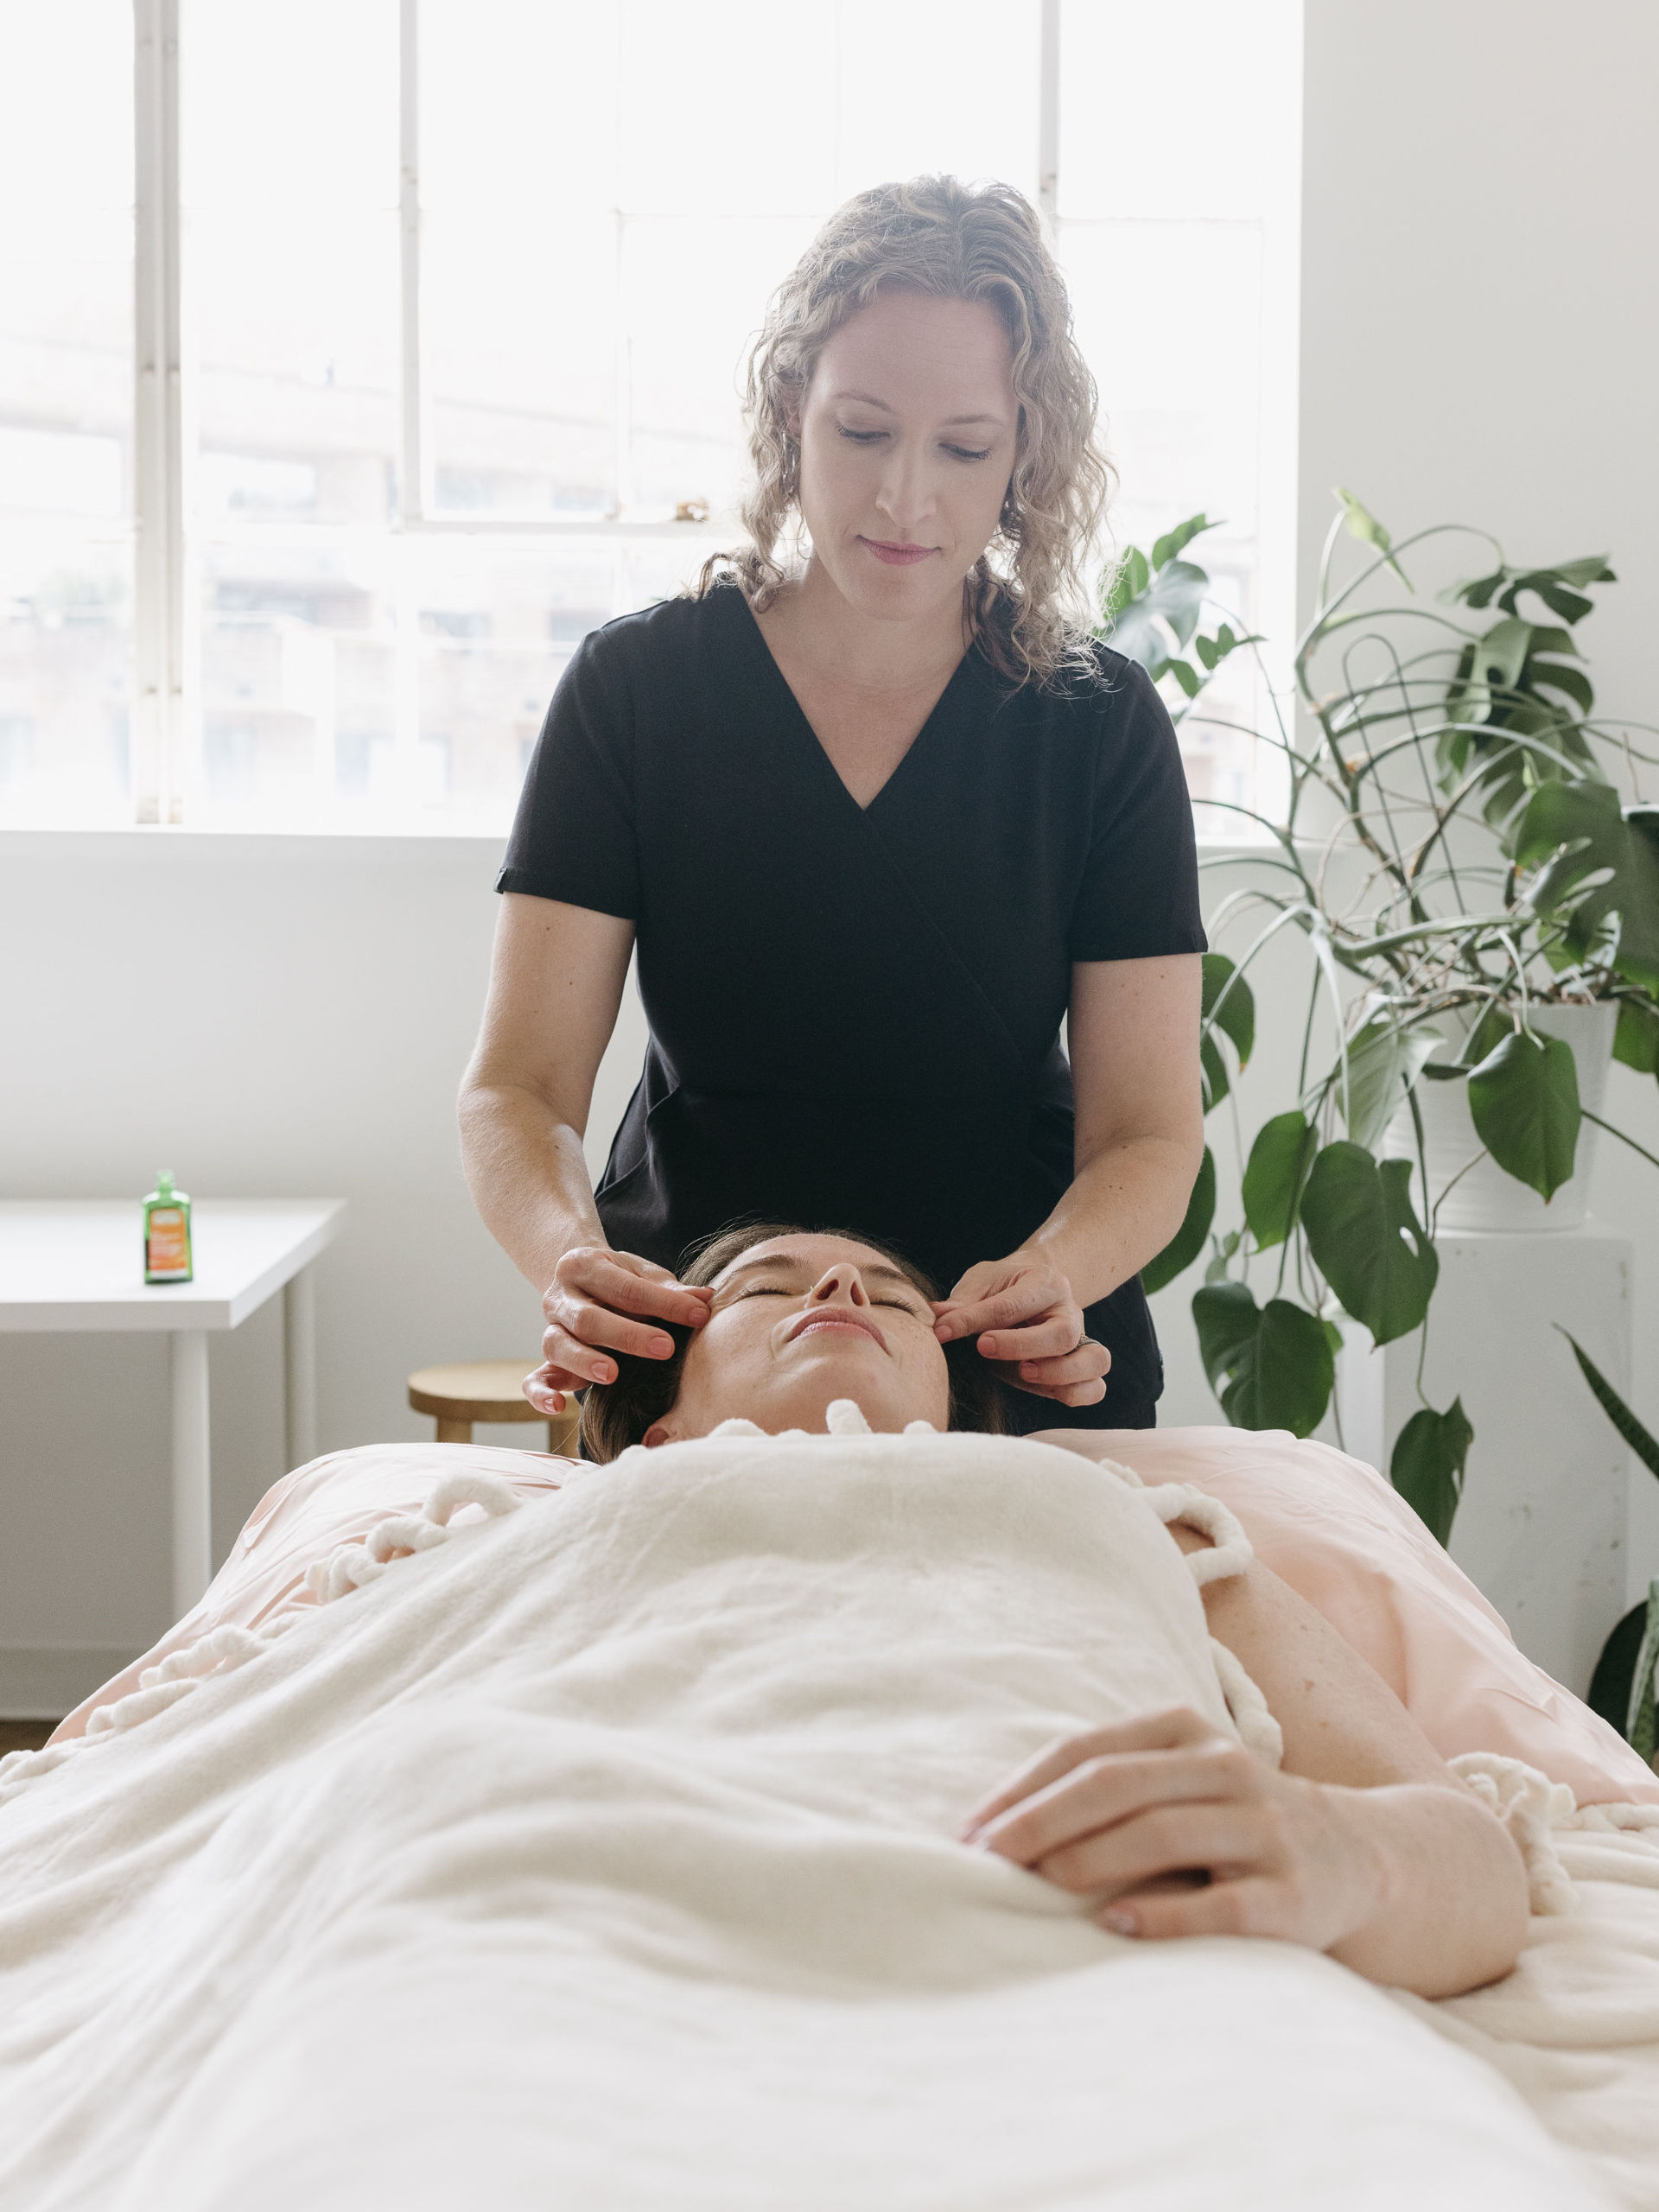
(1362, 1844)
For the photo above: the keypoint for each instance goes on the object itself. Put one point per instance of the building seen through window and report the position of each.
(606, 195)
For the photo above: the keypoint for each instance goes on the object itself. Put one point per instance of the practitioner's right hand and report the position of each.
(599, 1302)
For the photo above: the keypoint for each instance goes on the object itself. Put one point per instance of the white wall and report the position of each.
(1480, 321)
(282, 1016)
(290, 1015)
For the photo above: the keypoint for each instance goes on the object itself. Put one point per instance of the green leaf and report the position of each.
(1427, 1465)
(1492, 662)
(1188, 1240)
(1384, 1062)
(1645, 1448)
(1571, 606)
(1500, 653)
(1183, 534)
(1228, 1006)
(1212, 1073)
(1548, 584)
(1271, 1368)
(1367, 1242)
(1640, 1725)
(1213, 650)
(1555, 587)
(1366, 527)
(1546, 640)
(1577, 831)
(1556, 676)
(1174, 597)
(1610, 1684)
(1226, 1247)
(1126, 582)
(1280, 1159)
(1635, 1040)
(1593, 569)
(1479, 590)
(1186, 676)
(1227, 1003)
(1488, 1034)
(1524, 1101)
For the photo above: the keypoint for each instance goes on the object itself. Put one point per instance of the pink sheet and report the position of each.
(1333, 1528)
(1344, 1538)
(333, 1500)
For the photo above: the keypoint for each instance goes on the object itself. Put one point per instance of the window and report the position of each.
(457, 293)
(66, 454)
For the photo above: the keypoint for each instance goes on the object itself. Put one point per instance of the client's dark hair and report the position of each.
(617, 1415)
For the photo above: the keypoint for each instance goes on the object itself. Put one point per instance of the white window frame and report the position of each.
(166, 733)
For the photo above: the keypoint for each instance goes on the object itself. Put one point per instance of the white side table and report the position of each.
(71, 1264)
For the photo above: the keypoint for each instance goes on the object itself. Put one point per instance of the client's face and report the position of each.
(802, 1320)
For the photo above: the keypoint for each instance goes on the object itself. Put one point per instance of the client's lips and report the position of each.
(836, 1316)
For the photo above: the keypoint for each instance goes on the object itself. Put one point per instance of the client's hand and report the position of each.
(1180, 1831)
(1034, 1328)
(593, 1304)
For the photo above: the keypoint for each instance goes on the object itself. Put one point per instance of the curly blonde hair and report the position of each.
(1025, 602)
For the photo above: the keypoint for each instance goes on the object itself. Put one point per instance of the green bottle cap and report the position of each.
(164, 1184)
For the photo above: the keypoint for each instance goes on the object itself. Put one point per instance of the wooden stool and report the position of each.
(485, 1389)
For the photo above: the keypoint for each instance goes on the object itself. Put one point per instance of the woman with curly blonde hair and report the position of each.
(878, 813)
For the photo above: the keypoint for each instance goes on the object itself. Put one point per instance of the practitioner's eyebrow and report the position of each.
(951, 421)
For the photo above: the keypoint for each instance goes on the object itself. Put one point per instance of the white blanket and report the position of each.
(603, 1857)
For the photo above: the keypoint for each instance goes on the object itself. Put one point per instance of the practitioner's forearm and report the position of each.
(1120, 1209)
(528, 1176)
(1451, 1907)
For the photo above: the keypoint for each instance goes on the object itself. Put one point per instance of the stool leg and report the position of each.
(455, 1431)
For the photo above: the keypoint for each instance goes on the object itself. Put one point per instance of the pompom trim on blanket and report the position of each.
(223, 1649)
(1528, 1804)
(1524, 1802)
(1231, 1553)
(1533, 1808)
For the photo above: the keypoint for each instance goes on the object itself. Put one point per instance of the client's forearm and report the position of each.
(1451, 1906)
(1120, 1209)
(528, 1176)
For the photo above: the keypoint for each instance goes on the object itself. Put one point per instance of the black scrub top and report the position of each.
(855, 1012)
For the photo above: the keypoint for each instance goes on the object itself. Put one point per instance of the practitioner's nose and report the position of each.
(906, 496)
(841, 1285)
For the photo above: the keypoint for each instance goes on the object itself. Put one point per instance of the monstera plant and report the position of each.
(1449, 762)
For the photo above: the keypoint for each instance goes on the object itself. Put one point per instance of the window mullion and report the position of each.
(414, 502)
(160, 627)
(415, 460)
(1048, 123)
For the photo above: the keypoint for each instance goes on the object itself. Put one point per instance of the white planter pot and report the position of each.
(1485, 1198)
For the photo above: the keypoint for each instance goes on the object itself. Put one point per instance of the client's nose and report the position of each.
(842, 1283)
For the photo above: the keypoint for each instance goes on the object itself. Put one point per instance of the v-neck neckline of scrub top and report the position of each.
(804, 729)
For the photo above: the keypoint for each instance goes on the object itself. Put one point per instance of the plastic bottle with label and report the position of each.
(166, 1232)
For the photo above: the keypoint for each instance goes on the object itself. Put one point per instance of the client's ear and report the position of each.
(659, 1433)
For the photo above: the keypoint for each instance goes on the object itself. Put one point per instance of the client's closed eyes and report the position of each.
(776, 1290)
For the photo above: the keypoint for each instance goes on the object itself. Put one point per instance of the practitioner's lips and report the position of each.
(899, 556)
(836, 1316)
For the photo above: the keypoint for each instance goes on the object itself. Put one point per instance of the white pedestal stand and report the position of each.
(1541, 1528)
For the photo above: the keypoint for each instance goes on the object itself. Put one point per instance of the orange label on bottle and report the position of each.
(169, 1244)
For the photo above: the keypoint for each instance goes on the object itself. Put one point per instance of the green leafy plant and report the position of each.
(1621, 1688)
(1451, 760)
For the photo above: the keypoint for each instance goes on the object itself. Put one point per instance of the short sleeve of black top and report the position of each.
(855, 1012)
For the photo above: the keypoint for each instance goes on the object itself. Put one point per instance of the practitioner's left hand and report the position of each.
(1178, 1830)
(1032, 1328)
